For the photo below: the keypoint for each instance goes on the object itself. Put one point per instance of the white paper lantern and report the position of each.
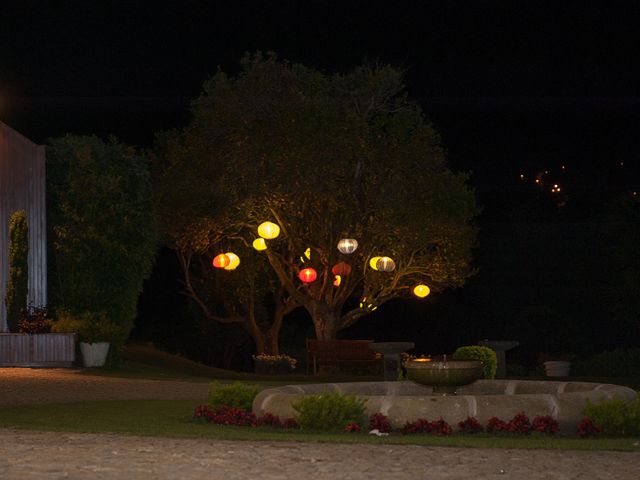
(347, 245)
(386, 264)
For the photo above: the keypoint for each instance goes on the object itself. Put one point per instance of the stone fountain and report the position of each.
(450, 392)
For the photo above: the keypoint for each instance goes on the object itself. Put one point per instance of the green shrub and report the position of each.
(91, 328)
(329, 411)
(615, 417)
(476, 352)
(236, 395)
(17, 284)
(617, 363)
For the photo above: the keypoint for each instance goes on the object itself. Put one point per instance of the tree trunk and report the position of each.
(324, 321)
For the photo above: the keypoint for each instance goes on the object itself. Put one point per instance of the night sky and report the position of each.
(516, 88)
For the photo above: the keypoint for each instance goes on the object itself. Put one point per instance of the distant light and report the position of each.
(563, 167)
(537, 180)
(522, 176)
(622, 164)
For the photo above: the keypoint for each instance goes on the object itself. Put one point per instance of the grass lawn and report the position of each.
(173, 418)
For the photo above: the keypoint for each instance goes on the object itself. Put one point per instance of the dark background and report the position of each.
(515, 88)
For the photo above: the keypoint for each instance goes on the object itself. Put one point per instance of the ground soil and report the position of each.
(26, 455)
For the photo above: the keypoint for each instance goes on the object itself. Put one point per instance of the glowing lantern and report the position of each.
(341, 268)
(347, 245)
(373, 263)
(337, 281)
(386, 264)
(421, 290)
(221, 261)
(259, 244)
(268, 230)
(306, 256)
(234, 261)
(307, 275)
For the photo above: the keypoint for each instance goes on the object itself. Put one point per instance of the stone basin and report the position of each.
(407, 401)
(444, 375)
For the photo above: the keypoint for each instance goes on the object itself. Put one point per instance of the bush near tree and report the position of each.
(102, 230)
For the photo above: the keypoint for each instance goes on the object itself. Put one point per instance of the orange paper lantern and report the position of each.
(221, 261)
(307, 275)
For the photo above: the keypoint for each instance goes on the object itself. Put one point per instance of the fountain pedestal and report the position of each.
(391, 357)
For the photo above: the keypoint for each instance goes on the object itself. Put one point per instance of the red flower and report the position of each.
(351, 427)
(519, 424)
(496, 425)
(422, 425)
(380, 422)
(440, 427)
(586, 428)
(270, 420)
(470, 425)
(545, 424)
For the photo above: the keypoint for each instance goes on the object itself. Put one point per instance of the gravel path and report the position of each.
(26, 455)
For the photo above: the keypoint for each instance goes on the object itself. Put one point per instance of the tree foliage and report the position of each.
(103, 236)
(325, 157)
(17, 286)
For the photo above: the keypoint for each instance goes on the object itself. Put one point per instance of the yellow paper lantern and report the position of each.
(259, 244)
(234, 261)
(386, 264)
(347, 245)
(337, 281)
(268, 230)
(373, 263)
(421, 290)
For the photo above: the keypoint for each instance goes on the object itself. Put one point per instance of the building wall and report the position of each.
(22, 187)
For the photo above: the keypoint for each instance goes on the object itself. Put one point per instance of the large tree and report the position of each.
(325, 157)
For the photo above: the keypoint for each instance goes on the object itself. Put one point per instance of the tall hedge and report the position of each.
(17, 286)
(102, 229)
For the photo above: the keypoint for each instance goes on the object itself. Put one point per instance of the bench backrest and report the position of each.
(340, 349)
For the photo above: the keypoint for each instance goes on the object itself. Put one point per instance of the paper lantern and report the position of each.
(341, 268)
(306, 255)
(307, 275)
(337, 281)
(347, 245)
(268, 230)
(234, 261)
(386, 264)
(259, 244)
(221, 261)
(421, 290)
(373, 263)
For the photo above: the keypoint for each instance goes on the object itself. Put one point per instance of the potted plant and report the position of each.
(556, 365)
(95, 332)
(274, 364)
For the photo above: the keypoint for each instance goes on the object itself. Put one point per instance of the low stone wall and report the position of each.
(407, 401)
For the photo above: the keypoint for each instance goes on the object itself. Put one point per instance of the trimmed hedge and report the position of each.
(476, 352)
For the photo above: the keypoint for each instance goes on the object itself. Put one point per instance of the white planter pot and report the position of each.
(557, 368)
(94, 354)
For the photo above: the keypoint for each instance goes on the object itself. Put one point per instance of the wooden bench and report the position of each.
(339, 352)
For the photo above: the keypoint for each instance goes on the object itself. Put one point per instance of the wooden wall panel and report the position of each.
(22, 187)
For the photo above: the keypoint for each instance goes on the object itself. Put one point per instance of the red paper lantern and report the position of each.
(307, 275)
(342, 268)
(221, 261)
